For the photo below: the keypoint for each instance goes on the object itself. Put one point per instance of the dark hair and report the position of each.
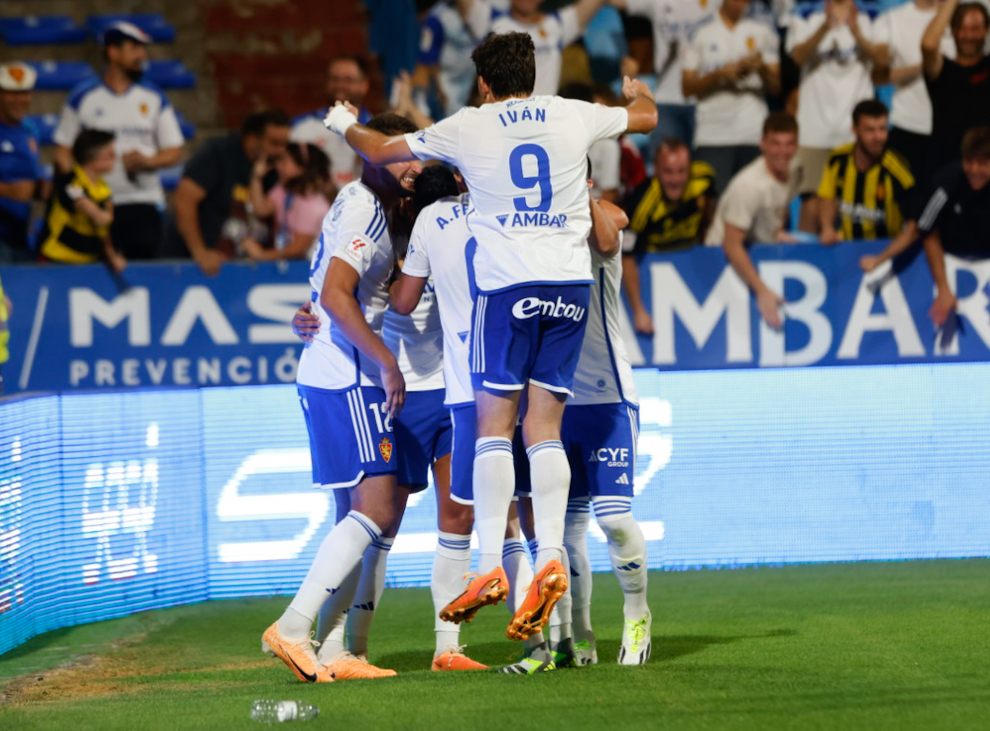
(434, 183)
(577, 90)
(390, 123)
(315, 175)
(256, 124)
(673, 144)
(960, 13)
(357, 60)
(780, 122)
(88, 145)
(976, 143)
(507, 63)
(872, 108)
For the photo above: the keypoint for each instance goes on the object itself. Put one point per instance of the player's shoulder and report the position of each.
(898, 167)
(152, 91)
(841, 152)
(82, 90)
(701, 170)
(357, 211)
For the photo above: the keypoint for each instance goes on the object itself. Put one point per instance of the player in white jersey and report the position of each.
(348, 377)
(551, 32)
(146, 133)
(524, 160)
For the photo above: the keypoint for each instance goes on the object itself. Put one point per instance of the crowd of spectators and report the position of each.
(760, 102)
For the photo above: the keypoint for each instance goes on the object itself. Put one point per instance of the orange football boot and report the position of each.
(534, 612)
(346, 666)
(491, 588)
(299, 656)
(455, 659)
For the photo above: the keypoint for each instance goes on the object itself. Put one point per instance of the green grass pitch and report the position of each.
(870, 646)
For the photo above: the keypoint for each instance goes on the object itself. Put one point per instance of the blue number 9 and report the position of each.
(527, 182)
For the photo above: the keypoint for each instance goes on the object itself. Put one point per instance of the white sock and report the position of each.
(339, 553)
(627, 550)
(560, 618)
(494, 485)
(451, 561)
(333, 615)
(576, 545)
(534, 548)
(518, 570)
(550, 475)
(368, 595)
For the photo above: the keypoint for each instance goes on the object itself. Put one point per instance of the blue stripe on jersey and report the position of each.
(380, 229)
(81, 90)
(374, 220)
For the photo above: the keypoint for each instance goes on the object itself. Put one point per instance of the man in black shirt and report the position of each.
(955, 219)
(214, 187)
(959, 89)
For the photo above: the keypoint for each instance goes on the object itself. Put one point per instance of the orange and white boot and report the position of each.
(453, 658)
(534, 612)
(298, 655)
(490, 588)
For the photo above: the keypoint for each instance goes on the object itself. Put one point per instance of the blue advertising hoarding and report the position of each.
(169, 325)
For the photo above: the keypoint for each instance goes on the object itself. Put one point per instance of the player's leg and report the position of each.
(563, 317)
(452, 476)
(612, 493)
(333, 614)
(341, 459)
(576, 545)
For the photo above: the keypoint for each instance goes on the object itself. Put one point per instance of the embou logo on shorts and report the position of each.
(532, 306)
(385, 447)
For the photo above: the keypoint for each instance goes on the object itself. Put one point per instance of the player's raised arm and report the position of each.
(642, 107)
(375, 147)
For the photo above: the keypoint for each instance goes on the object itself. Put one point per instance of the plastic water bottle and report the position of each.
(278, 711)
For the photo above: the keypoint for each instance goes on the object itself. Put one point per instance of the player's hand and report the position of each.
(829, 237)
(305, 323)
(942, 308)
(869, 263)
(210, 261)
(642, 322)
(395, 389)
(134, 161)
(632, 88)
(341, 116)
(769, 303)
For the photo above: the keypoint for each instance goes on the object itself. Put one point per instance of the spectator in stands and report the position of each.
(954, 219)
(20, 169)
(444, 65)
(213, 192)
(669, 212)
(865, 186)
(298, 201)
(77, 226)
(754, 208)
(347, 81)
(837, 52)
(605, 155)
(674, 24)
(147, 133)
(959, 89)
(901, 30)
(551, 32)
(730, 65)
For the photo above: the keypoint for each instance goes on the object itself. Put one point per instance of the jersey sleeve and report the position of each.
(168, 131)
(430, 41)
(354, 239)
(570, 28)
(609, 160)
(738, 210)
(68, 128)
(417, 263)
(691, 58)
(601, 122)
(931, 208)
(439, 141)
(827, 185)
(204, 168)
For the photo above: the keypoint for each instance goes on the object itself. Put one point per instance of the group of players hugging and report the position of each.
(493, 359)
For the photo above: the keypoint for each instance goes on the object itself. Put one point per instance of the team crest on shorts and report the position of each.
(385, 447)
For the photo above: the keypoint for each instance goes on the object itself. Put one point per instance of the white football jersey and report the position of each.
(604, 374)
(416, 340)
(355, 230)
(550, 34)
(440, 248)
(525, 162)
(141, 119)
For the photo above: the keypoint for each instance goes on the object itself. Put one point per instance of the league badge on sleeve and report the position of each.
(357, 248)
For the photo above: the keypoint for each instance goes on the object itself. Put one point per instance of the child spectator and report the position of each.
(298, 201)
(77, 224)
